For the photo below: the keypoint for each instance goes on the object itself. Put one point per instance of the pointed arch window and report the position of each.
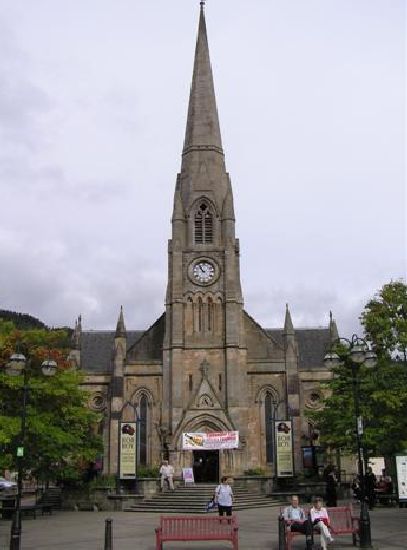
(203, 225)
(200, 314)
(142, 425)
(210, 314)
(269, 421)
(271, 409)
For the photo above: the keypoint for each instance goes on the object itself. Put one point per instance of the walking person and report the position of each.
(167, 474)
(224, 497)
(370, 486)
(331, 496)
(320, 519)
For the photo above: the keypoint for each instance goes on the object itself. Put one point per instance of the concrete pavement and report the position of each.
(135, 531)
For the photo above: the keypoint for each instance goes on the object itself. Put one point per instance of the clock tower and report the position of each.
(204, 356)
(205, 365)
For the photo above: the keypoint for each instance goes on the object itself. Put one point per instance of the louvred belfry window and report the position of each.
(203, 225)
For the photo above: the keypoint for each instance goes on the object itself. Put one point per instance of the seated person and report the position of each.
(167, 474)
(296, 518)
(320, 519)
(357, 493)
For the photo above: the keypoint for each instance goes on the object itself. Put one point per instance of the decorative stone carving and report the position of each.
(97, 401)
(313, 400)
(205, 402)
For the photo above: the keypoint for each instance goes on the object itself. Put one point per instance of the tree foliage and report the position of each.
(382, 391)
(385, 320)
(21, 321)
(60, 434)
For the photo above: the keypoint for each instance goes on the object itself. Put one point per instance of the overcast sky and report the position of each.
(93, 104)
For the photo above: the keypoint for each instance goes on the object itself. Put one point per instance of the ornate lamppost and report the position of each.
(354, 353)
(18, 364)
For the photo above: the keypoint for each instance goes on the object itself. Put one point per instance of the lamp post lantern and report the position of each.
(356, 353)
(18, 364)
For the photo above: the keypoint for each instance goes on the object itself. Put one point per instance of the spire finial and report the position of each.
(288, 324)
(333, 330)
(202, 131)
(120, 327)
(204, 368)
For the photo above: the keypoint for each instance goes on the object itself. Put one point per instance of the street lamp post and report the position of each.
(354, 354)
(19, 364)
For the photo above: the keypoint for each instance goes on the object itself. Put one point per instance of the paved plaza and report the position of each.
(135, 531)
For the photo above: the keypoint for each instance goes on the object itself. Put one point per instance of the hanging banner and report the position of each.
(211, 440)
(127, 447)
(284, 448)
(401, 467)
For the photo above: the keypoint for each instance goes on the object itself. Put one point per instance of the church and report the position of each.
(205, 366)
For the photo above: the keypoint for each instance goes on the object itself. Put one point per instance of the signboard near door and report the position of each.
(127, 450)
(284, 448)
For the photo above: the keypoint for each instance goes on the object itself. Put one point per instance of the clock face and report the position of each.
(203, 272)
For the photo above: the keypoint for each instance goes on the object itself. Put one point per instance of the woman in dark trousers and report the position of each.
(370, 486)
(224, 497)
(331, 496)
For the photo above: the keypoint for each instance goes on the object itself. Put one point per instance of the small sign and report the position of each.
(360, 425)
(188, 475)
(20, 451)
(401, 467)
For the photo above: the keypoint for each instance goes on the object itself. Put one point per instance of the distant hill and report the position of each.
(21, 321)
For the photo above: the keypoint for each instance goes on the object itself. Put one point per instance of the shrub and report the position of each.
(148, 471)
(254, 472)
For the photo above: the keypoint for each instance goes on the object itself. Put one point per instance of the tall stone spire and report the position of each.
(202, 130)
(288, 323)
(333, 330)
(120, 327)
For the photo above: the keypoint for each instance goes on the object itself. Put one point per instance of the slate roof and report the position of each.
(97, 347)
(313, 343)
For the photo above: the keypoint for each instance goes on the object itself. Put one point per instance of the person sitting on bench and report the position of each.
(320, 519)
(296, 518)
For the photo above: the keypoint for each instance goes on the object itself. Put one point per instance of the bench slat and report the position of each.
(188, 528)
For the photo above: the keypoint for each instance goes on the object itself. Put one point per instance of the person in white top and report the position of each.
(320, 519)
(167, 474)
(296, 518)
(224, 497)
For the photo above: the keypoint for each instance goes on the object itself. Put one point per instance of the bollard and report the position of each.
(108, 534)
(281, 533)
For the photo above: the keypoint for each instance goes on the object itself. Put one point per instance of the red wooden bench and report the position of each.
(188, 528)
(342, 522)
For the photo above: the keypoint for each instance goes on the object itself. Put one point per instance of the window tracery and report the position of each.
(203, 225)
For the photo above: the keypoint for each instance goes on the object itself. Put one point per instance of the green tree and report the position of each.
(382, 390)
(385, 321)
(60, 434)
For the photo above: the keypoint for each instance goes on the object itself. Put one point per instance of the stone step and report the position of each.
(197, 502)
(198, 509)
(193, 499)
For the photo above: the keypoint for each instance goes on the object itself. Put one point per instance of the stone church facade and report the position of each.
(205, 365)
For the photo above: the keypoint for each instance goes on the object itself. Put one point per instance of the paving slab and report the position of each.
(258, 530)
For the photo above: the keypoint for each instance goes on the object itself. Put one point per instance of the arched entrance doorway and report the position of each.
(206, 466)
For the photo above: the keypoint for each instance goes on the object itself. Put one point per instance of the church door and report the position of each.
(206, 466)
